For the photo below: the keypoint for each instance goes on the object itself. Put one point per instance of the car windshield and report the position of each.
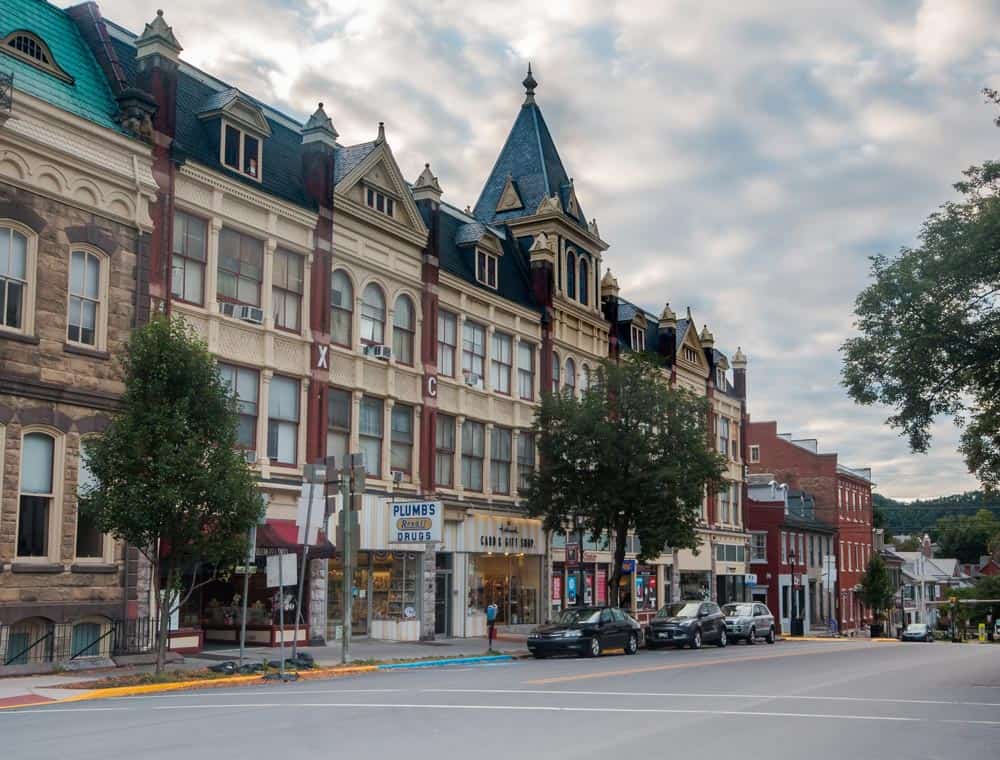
(680, 610)
(576, 616)
(916, 628)
(738, 610)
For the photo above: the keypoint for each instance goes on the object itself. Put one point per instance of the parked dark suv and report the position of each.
(691, 623)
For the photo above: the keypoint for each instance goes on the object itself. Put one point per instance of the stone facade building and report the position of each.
(75, 194)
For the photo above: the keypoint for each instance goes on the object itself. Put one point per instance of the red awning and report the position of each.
(275, 535)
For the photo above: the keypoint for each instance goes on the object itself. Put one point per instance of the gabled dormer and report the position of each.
(240, 127)
(484, 249)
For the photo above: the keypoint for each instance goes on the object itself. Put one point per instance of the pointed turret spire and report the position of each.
(319, 128)
(427, 185)
(157, 37)
(529, 87)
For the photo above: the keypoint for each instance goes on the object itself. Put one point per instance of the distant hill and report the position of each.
(905, 518)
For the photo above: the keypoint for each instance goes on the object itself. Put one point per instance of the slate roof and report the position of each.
(198, 139)
(470, 232)
(347, 157)
(530, 157)
(89, 96)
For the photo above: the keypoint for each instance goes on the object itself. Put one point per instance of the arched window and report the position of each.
(571, 274)
(556, 366)
(373, 315)
(35, 505)
(341, 308)
(584, 282)
(33, 50)
(14, 273)
(584, 379)
(404, 327)
(570, 380)
(87, 299)
(86, 639)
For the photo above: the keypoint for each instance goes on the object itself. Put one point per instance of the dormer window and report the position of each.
(32, 50)
(720, 378)
(379, 201)
(637, 339)
(486, 269)
(690, 355)
(241, 151)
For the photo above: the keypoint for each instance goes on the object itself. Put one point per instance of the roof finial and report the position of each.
(529, 87)
(381, 132)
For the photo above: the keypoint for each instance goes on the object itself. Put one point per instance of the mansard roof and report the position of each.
(349, 156)
(530, 161)
(84, 91)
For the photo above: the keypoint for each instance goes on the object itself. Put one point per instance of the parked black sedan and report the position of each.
(585, 631)
(691, 623)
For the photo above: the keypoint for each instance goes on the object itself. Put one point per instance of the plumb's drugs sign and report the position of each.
(415, 522)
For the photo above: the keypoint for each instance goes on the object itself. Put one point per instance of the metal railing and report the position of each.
(38, 642)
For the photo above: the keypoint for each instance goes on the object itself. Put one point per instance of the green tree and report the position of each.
(966, 537)
(877, 589)
(631, 454)
(169, 478)
(909, 544)
(930, 327)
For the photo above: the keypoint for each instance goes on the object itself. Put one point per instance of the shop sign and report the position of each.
(590, 556)
(572, 554)
(282, 570)
(506, 536)
(415, 522)
(750, 579)
(557, 589)
(571, 590)
(628, 567)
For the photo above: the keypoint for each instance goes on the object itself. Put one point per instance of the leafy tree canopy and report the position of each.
(966, 537)
(877, 589)
(930, 327)
(631, 454)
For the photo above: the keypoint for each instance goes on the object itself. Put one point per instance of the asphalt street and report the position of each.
(812, 700)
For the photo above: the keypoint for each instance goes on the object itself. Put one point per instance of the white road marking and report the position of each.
(974, 722)
(545, 708)
(708, 696)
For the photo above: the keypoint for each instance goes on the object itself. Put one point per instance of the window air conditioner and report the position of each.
(379, 352)
(250, 457)
(250, 314)
(474, 381)
(229, 309)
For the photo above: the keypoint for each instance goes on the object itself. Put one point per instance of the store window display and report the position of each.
(510, 581)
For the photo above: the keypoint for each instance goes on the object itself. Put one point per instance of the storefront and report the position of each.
(730, 573)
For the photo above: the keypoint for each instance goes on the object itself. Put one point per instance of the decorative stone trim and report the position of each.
(21, 213)
(95, 569)
(93, 235)
(70, 348)
(47, 568)
(19, 337)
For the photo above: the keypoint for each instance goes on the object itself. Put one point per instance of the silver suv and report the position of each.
(750, 621)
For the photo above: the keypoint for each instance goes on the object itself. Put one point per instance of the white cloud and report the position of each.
(744, 158)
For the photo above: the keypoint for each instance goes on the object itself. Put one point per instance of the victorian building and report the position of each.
(76, 191)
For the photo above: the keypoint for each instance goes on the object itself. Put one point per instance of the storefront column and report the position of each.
(355, 440)
(318, 578)
(487, 459)
(661, 582)
(427, 598)
(456, 467)
(515, 473)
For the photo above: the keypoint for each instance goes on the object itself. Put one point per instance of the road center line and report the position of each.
(556, 692)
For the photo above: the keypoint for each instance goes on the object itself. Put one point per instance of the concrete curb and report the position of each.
(839, 639)
(452, 661)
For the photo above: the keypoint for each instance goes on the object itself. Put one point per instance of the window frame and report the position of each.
(501, 371)
(525, 447)
(583, 290)
(187, 259)
(106, 554)
(442, 452)
(333, 427)
(237, 369)
(238, 274)
(475, 456)
(762, 556)
(283, 293)
(370, 318)
(102, 302)
(55, 497)
(401, 441)
(637, 337)
(380, 436)
(348, 310)
(526, 375)
(374, 198)
(30, 283)
(444, 348)
(46, 63)
(755, 455)
(569, 376)
(556, 371)
(406, 336)
(498, 465)
(689, 354)
(571, 275)
(271, 418)
(241, 156)
(487, 269)
(469, 350)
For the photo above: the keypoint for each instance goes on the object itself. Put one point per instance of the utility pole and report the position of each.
(313, 473)
(352, 493)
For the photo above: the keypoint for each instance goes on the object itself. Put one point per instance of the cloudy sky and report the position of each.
(741, 158)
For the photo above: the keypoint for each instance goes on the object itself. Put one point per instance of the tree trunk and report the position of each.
(621, 536)
(163, 597)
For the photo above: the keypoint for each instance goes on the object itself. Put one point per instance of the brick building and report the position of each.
(843, 500)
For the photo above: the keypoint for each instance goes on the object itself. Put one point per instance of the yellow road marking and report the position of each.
(672, 666)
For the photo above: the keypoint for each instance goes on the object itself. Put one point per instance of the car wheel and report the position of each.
(752, 636)
(723, 640)
(770, 635)
(696, 640)
(595, 647)
(632, 645)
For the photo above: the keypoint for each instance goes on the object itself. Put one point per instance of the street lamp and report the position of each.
(793, 620)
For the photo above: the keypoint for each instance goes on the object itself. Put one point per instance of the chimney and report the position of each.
(925, 547)
(427, 187)
(740, 373)
(667, 335)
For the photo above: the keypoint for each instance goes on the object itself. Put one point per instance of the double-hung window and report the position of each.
(241, 151)
(286, 292)
(401, 440)
(338, 426)
(373, 315)
(525, 459)
(724, 504)
(89, 540)
(758, 547)
(444, 451)
(724, 435)
(190, 252)
(283, 420)
(85, 308)
(404, 329)
(447, 340)
(525, 370)
(556, 365)
(37, 494)
(474, 351)
(370, 426)
(341, 308)
(500, 459)
(13, 278)
(244, 383)
(569, 382)
(486, 269)
(503, 357)
(241, 267)
(473, 451)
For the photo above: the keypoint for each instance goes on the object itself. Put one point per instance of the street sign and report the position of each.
(415, 522)
(303, 516)
(286, 572)
(797, 580)
(750, 579)
(339, 541)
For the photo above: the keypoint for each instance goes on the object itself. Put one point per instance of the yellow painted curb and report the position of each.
(842, 639)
